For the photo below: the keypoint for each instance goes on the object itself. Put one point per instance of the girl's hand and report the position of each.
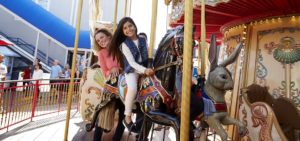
(149, 72)
(114, 72)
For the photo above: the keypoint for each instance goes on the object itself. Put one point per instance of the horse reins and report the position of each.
(177, 62)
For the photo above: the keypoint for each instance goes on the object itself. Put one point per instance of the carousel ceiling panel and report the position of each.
(238, 11)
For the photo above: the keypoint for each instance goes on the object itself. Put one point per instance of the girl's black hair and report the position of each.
(117, 39)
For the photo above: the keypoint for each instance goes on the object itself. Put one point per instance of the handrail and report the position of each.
(60, 79)
(29, 49)
(21, 104)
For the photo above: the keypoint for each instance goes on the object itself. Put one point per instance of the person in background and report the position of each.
(37, 74)
(37, 61)
(27, 74)
(3, 69)
(56, 70)
(109, 67)
(3, 72)
(66, 73)
(127, 46)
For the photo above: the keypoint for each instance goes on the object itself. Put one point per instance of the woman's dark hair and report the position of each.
(104, 31)
(40, 66)
(117, 39)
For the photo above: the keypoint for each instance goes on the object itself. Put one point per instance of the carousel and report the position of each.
(266, 92)
(248, 53)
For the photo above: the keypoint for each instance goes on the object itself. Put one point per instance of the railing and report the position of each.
(29, 49)
(20, 103)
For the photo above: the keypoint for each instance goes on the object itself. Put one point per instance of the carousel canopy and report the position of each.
(232, 12)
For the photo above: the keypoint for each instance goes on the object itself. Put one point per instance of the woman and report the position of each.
(110, 68)
(127, 46)
(37, 74)
(66, 73)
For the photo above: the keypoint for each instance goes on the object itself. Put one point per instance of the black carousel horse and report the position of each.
(158, 96)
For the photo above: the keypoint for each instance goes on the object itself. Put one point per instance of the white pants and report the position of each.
(131, 80)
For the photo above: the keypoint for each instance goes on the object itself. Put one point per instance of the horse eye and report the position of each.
(223, 76)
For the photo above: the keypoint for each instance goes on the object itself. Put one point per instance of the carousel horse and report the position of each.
(159, 96)
(266, 117)
(218, 82)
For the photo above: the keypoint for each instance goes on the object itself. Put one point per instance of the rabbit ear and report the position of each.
(213, 53)
(233, 56)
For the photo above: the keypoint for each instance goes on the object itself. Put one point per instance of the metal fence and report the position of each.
(21, 101)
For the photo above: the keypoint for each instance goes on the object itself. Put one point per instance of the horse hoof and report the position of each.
(88, 127)
(244, 132)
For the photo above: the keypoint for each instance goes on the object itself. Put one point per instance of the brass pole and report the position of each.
(153, 28)
(70, 91)
(115, 15)
(98, 7)
(130, 8)
(203, 33)
(187, 71)
(125, 8)
(288, 80)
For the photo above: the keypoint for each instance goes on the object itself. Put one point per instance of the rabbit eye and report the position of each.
(223, 76)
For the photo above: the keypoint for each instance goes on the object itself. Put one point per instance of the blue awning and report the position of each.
(47, 22)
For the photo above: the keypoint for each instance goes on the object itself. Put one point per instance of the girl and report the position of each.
(108, 64)
(131, 51)
(109, 67)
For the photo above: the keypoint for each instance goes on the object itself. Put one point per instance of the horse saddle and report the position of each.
(148, 88)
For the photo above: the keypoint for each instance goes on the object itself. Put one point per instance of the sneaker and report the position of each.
(130, 126)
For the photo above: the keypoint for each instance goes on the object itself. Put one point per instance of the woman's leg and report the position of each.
(98, 133)
(131, 80)
(120, 127)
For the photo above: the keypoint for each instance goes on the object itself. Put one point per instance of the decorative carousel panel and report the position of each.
(178, 7)
(210, 2)
(277, 61)
(228, 47)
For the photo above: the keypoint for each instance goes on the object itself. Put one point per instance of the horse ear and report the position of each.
(233, 55)
(213, 52)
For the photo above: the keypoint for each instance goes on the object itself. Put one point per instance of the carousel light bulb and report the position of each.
(244, 38)
(273, 20)
(293, 18)
(267, 21)
(245, 26)
(279, 19)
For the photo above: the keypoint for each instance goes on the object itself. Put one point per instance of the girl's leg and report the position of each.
(98, 133)
(120, 127)
(131, 80)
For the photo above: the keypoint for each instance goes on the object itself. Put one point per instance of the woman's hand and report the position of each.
(114, 72)
(149, 72)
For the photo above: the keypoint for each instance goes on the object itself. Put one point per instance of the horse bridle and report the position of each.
(178, 54)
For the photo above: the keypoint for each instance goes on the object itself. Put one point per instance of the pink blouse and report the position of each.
(106, 62)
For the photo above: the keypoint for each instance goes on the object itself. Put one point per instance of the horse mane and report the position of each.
(163, 47)
(164, 56)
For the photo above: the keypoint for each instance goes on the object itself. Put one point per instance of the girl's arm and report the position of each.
(139, 68)
(102, 63)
